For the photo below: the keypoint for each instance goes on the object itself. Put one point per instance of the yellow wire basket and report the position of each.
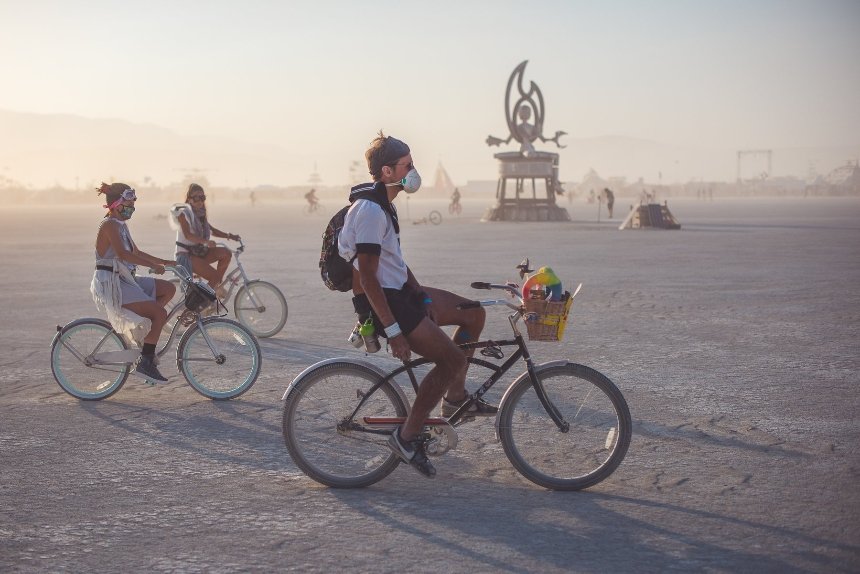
(546, 320)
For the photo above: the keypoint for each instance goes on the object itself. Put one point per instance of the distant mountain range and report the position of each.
(42, 150)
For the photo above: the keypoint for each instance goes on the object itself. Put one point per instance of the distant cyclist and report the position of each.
(312, 199)
(455, 206)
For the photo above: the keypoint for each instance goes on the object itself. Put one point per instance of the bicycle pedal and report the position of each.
(494, 352)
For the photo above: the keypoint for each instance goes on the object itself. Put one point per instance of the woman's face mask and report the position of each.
(125, 211)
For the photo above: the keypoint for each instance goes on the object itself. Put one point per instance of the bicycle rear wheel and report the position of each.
(317, 432)
(226, 369)
(592, 448)
(435, 217)
(74, 345)
(261, 307)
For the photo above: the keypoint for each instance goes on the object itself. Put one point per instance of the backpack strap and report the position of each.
(376, 193)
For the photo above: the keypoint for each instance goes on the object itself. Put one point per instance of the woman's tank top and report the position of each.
(110, 252)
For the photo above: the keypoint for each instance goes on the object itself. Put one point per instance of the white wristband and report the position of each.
(392, 330)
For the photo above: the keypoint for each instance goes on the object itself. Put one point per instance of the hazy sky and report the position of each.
(320, 78)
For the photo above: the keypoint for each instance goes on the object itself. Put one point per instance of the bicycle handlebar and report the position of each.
(512, 289)
(509, 287)
(179, 271)
(236, 251)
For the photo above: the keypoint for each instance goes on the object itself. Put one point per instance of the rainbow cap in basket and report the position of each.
(548, 280)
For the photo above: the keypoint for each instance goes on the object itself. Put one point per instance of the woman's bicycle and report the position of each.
(454, 208)
(258, 305)
(218, 357)
(564, 426)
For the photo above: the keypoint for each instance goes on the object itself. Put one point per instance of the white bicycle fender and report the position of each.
(376, 369)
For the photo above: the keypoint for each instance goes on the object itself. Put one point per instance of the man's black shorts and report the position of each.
(406, 304)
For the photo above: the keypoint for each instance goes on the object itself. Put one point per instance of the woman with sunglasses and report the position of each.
(193, 240)
(115, 286)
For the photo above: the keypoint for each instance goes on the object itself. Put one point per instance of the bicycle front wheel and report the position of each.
(581, 456)
(74, 356)
(226, 368)
(321, 438)
(435, 217)
(261, 307)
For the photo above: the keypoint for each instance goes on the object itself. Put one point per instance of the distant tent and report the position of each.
(650, 216)
(591, 182)
(443, 183)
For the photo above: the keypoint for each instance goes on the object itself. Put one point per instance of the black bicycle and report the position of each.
(564, 426)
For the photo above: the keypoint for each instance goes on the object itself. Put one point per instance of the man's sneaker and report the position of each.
(411, 452)
(479, 408)
(146, 367)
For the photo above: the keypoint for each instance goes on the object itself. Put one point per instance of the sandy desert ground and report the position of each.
(734, 340)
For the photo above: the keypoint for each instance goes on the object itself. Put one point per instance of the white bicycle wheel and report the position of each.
(226, 369)
(261, 307)
(72, 359)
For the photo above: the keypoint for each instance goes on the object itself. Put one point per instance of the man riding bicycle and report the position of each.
(312, 199)
(409, 314)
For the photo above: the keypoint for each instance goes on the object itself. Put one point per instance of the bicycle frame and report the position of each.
(127, 357)
(232, 278)
(498, 371)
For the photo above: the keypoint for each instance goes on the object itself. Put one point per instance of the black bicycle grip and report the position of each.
(480, 285)
(469, 305)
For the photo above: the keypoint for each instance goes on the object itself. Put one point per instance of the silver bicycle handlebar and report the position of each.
(512, 289)
(179, 271)
(236, 251)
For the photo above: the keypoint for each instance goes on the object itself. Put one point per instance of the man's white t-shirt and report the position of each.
(368, 229)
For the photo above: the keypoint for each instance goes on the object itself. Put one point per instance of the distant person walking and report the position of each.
(610, 200)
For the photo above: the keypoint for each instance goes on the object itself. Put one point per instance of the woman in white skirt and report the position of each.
(115, 284)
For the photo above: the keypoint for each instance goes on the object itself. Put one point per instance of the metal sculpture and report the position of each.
(531, 100)
(527, 164)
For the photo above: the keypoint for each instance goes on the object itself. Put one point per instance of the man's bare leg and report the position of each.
(470, 324)
(429, 341)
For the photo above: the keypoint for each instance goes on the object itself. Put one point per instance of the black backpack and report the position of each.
(336, 271)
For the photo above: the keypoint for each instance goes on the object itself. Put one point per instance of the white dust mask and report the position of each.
(412, 182)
